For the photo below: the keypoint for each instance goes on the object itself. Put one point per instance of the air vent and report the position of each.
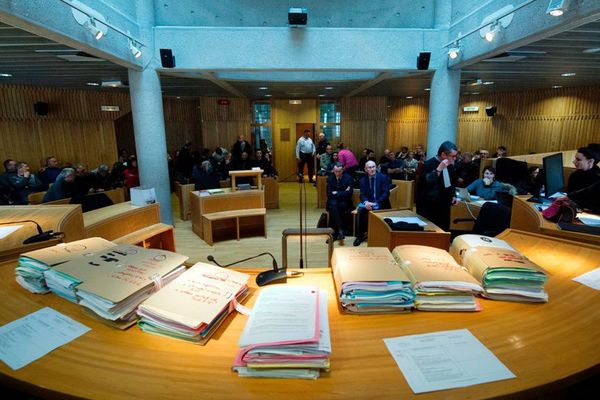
(514, 55)
(80, 57)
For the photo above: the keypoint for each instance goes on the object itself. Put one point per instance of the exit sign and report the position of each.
(223, 102)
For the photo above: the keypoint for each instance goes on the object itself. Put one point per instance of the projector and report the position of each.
(297, 16)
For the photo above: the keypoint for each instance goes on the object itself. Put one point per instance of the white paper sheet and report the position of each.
(408, 220)
(35, 335)
(446, 177)
(7, 230)
(590, 279)
(444, 360)
(589, 219)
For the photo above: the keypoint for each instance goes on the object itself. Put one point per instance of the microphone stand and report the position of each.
(41, 235)
(265, 277)
(301, 189)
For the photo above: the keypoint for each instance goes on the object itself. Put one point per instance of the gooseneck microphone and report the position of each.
(41, 235)
(265, 277)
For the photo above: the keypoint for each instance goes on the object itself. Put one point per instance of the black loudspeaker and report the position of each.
(166, 58)
(41, 108)
(491, 111)
(423, 60)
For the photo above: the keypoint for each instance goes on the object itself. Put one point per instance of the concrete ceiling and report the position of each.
(34, 60)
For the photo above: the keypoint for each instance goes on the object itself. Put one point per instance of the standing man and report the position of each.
(305, 153)
(436, 190)
(241, 146)
(374, 195)
(339, 198)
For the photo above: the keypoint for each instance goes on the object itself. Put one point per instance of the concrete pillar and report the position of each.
(443, 108)
(150, 139)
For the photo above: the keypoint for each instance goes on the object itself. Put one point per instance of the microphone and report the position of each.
(265, 277)
(41, 235)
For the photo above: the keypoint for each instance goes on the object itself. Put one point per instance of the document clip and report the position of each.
(158, 283)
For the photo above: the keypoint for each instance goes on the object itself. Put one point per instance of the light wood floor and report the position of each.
(287, 216)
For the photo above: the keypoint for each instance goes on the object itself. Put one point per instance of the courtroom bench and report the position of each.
(237, 223)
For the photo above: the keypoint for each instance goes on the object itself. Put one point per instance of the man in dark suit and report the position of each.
(339, 198)
(239, 147)
(374, 195)
(436, 186)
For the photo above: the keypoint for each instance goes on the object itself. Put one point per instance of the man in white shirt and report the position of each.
(305, 153)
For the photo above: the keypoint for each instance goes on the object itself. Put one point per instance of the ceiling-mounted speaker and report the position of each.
(40, 108)
(166, 58)
(423, 60)
(491, 111)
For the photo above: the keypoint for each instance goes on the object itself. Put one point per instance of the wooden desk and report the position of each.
(59, 218)
(227, 201)
(527, 218)
(257, 174)
(321, 191)
(381, 235)
(460, 211)
(271, 189)
(183, 194)
(547, 346)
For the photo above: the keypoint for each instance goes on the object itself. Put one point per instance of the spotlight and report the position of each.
(556, 8)
(454, 52)
(90, 25)
(137, 53)
(491, 34)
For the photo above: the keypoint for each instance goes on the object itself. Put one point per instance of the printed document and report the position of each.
(35, 335)
(409, 220)
(7, 230)
(590, 279)
(445, 360)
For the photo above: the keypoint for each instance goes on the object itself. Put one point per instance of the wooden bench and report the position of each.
(157, 236)
(221, 224)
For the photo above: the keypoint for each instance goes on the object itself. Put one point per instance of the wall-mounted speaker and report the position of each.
(491, 111)
(166, 58)
(423, 60)
(40, 108)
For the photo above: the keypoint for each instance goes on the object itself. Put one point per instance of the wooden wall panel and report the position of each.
(364, 123)
(407, 123)
(221, 124)
(182, 123)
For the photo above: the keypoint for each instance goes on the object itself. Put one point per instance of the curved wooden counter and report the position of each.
(526, 217)
(547, 346)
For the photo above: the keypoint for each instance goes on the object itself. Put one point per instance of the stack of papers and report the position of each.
(111, 284)
(439, 282)
(193, 306)
(368, 280)
(287, 335)
(504, 273)
(32, 265)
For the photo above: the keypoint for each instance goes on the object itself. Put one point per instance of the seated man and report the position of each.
(339, 198)
(374, 195)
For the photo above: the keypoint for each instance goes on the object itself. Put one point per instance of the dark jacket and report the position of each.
(380, 194)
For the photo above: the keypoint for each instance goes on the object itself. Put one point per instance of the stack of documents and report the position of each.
(287, 334)
(368, 280)
(31, 266)
(193, 306)
(463, 243)
(439, 282)
(504, 273)
(111, 284)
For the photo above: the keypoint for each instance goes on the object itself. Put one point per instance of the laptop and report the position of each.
(464, 194)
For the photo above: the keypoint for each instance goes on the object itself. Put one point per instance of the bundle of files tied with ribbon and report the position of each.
(192, 307)
(111, 283)
(287, 335)
(32, 265)
(368, 280)
(439, 282)
(504, 273)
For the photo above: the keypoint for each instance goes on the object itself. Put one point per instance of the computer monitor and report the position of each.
(553, 174)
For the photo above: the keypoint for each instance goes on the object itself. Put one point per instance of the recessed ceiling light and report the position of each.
(328, 87)
(592, 50)
(4, 75)
(321, 95)
(263, 88)
(268, 95)
(488, 83)
(427, 89)
(556, 87)
(93, 84)
(409, 97)
(178, 97)
(568, 74)
(475, 93)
